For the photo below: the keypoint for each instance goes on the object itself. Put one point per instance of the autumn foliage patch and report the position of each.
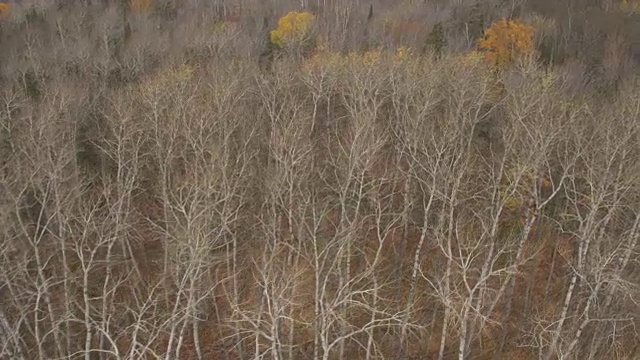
(506, 40)
(4, 10)
(141, 5)
(293, 29)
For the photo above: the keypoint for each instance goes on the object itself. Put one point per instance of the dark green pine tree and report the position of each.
(436, 40)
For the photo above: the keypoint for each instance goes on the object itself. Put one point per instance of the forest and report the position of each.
(320, 179)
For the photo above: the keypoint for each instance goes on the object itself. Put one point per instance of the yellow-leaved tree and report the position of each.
(294, 29)
(630, 5)
(505, 41)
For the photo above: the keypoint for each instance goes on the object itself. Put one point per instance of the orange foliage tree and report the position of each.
(506, 40)
(141, 6)
(4, 10)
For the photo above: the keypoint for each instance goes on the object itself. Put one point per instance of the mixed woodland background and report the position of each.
(330, 179)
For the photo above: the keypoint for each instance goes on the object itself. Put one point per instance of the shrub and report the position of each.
(506, 40)
(294, 29)
(367, 58)
(323, 59)
(403, 54)
(168, 81)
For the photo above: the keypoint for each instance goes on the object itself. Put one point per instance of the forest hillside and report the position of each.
(326, 179)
